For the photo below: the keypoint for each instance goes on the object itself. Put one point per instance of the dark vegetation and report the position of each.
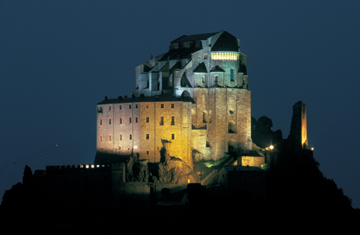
(299, 198)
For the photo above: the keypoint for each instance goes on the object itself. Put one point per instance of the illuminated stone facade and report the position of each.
(192, 102)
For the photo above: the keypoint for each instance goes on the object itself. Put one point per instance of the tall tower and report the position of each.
(298, 132)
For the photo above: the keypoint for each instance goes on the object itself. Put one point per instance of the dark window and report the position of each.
(120, 137)
(161, 121)
(172, 120)
(120, 120)
(131, 136)
(100, 137)
(147, 152)
(147, 136)
(109, 121)
(162, 106)
(172, 106)
(129, 106)
(231, 75)
(136, 106)
(120, 107)
(109, 107)
(173, 136)
(129, 120)
(100, 121)
(136, 120)
(147, 119)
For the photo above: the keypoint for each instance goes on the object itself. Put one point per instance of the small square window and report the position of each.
(172, 106)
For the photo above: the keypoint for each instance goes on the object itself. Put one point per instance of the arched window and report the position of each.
(231, 127)
(231, 75)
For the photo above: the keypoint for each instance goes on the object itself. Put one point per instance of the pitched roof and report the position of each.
(201, 68)
(217, 68)
(225, 42)
(195, 37)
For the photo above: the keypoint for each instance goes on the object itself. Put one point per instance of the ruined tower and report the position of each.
(297, 139)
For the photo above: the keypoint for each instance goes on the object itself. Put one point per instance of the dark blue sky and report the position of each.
(59, 58)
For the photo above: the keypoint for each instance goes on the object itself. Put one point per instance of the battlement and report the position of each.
(77, 167)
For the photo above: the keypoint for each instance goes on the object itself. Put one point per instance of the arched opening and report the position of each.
(231, 75)
(231, 127)
(185, 94)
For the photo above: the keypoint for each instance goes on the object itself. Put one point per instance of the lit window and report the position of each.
(147, 119)
(172, 120)
(172, 106)
(109, 121)
(120, 120)
(100, 121)
(172, 136)
(147, 136)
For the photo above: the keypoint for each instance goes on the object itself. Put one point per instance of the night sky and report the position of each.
(59, 58)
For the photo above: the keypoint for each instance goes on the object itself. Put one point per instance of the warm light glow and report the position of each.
(224, 56)
(312, 149)
(271, 147)
(188, 181)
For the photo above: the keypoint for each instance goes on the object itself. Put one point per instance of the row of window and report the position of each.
(130, 137)
(147, 106)
(147, 120)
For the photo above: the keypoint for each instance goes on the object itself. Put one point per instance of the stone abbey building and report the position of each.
(192, 102)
